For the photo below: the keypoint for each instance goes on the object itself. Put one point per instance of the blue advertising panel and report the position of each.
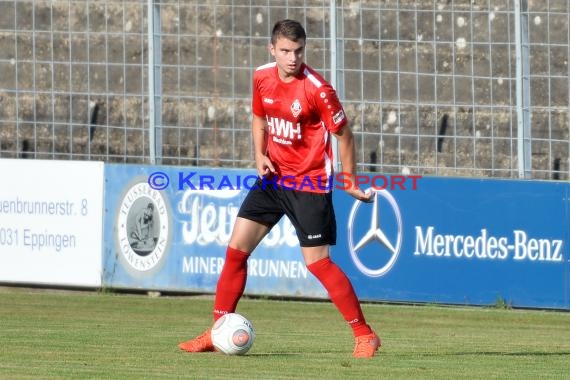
(457, 241)
(167, 229)
(436, 240)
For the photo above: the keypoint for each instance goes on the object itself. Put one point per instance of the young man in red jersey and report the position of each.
(295, 111)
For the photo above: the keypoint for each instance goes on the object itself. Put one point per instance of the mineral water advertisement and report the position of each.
(167, 228)
(422, 239)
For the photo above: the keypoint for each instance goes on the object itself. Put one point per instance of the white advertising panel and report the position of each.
(51, 222)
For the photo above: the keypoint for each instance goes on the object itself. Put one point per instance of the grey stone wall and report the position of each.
(73, 82)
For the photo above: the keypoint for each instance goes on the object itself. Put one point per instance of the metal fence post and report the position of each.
(154, 83)
(336, 58)
(523, 89)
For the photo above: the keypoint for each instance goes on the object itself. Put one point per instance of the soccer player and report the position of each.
(295, 111)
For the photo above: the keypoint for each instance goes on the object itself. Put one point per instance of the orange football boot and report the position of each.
(366, 345)
(202, 343)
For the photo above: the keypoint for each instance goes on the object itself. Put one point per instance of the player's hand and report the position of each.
(265, 167)
(367, 196)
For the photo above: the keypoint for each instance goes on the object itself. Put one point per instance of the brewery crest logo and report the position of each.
(143, 227)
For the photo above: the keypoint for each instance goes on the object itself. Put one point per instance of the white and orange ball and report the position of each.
(233, 334)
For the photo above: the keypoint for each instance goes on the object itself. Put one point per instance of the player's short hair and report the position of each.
(290, 29)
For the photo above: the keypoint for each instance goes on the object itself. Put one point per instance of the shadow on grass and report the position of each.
(495, 353)
(269, 354)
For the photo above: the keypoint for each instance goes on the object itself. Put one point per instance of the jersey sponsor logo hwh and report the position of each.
(283, 130)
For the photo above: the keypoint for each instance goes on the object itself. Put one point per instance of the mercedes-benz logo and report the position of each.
(388, 245)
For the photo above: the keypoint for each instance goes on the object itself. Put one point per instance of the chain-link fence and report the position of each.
(448, 87)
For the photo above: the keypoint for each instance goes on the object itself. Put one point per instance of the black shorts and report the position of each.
(312, 214)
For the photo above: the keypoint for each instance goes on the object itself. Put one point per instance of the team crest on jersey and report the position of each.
(296, 108)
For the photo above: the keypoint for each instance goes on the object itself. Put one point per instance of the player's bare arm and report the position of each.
(346, 152)
(258, 129)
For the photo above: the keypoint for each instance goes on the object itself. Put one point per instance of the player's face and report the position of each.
(289, 55)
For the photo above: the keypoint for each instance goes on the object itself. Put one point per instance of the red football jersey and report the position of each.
(300, 115)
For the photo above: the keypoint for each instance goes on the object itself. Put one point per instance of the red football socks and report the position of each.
(231, 283)
(341, 293)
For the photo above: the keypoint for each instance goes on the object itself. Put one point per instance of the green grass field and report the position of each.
(78, 335)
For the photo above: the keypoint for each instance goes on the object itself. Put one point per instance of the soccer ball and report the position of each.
(233, 334)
